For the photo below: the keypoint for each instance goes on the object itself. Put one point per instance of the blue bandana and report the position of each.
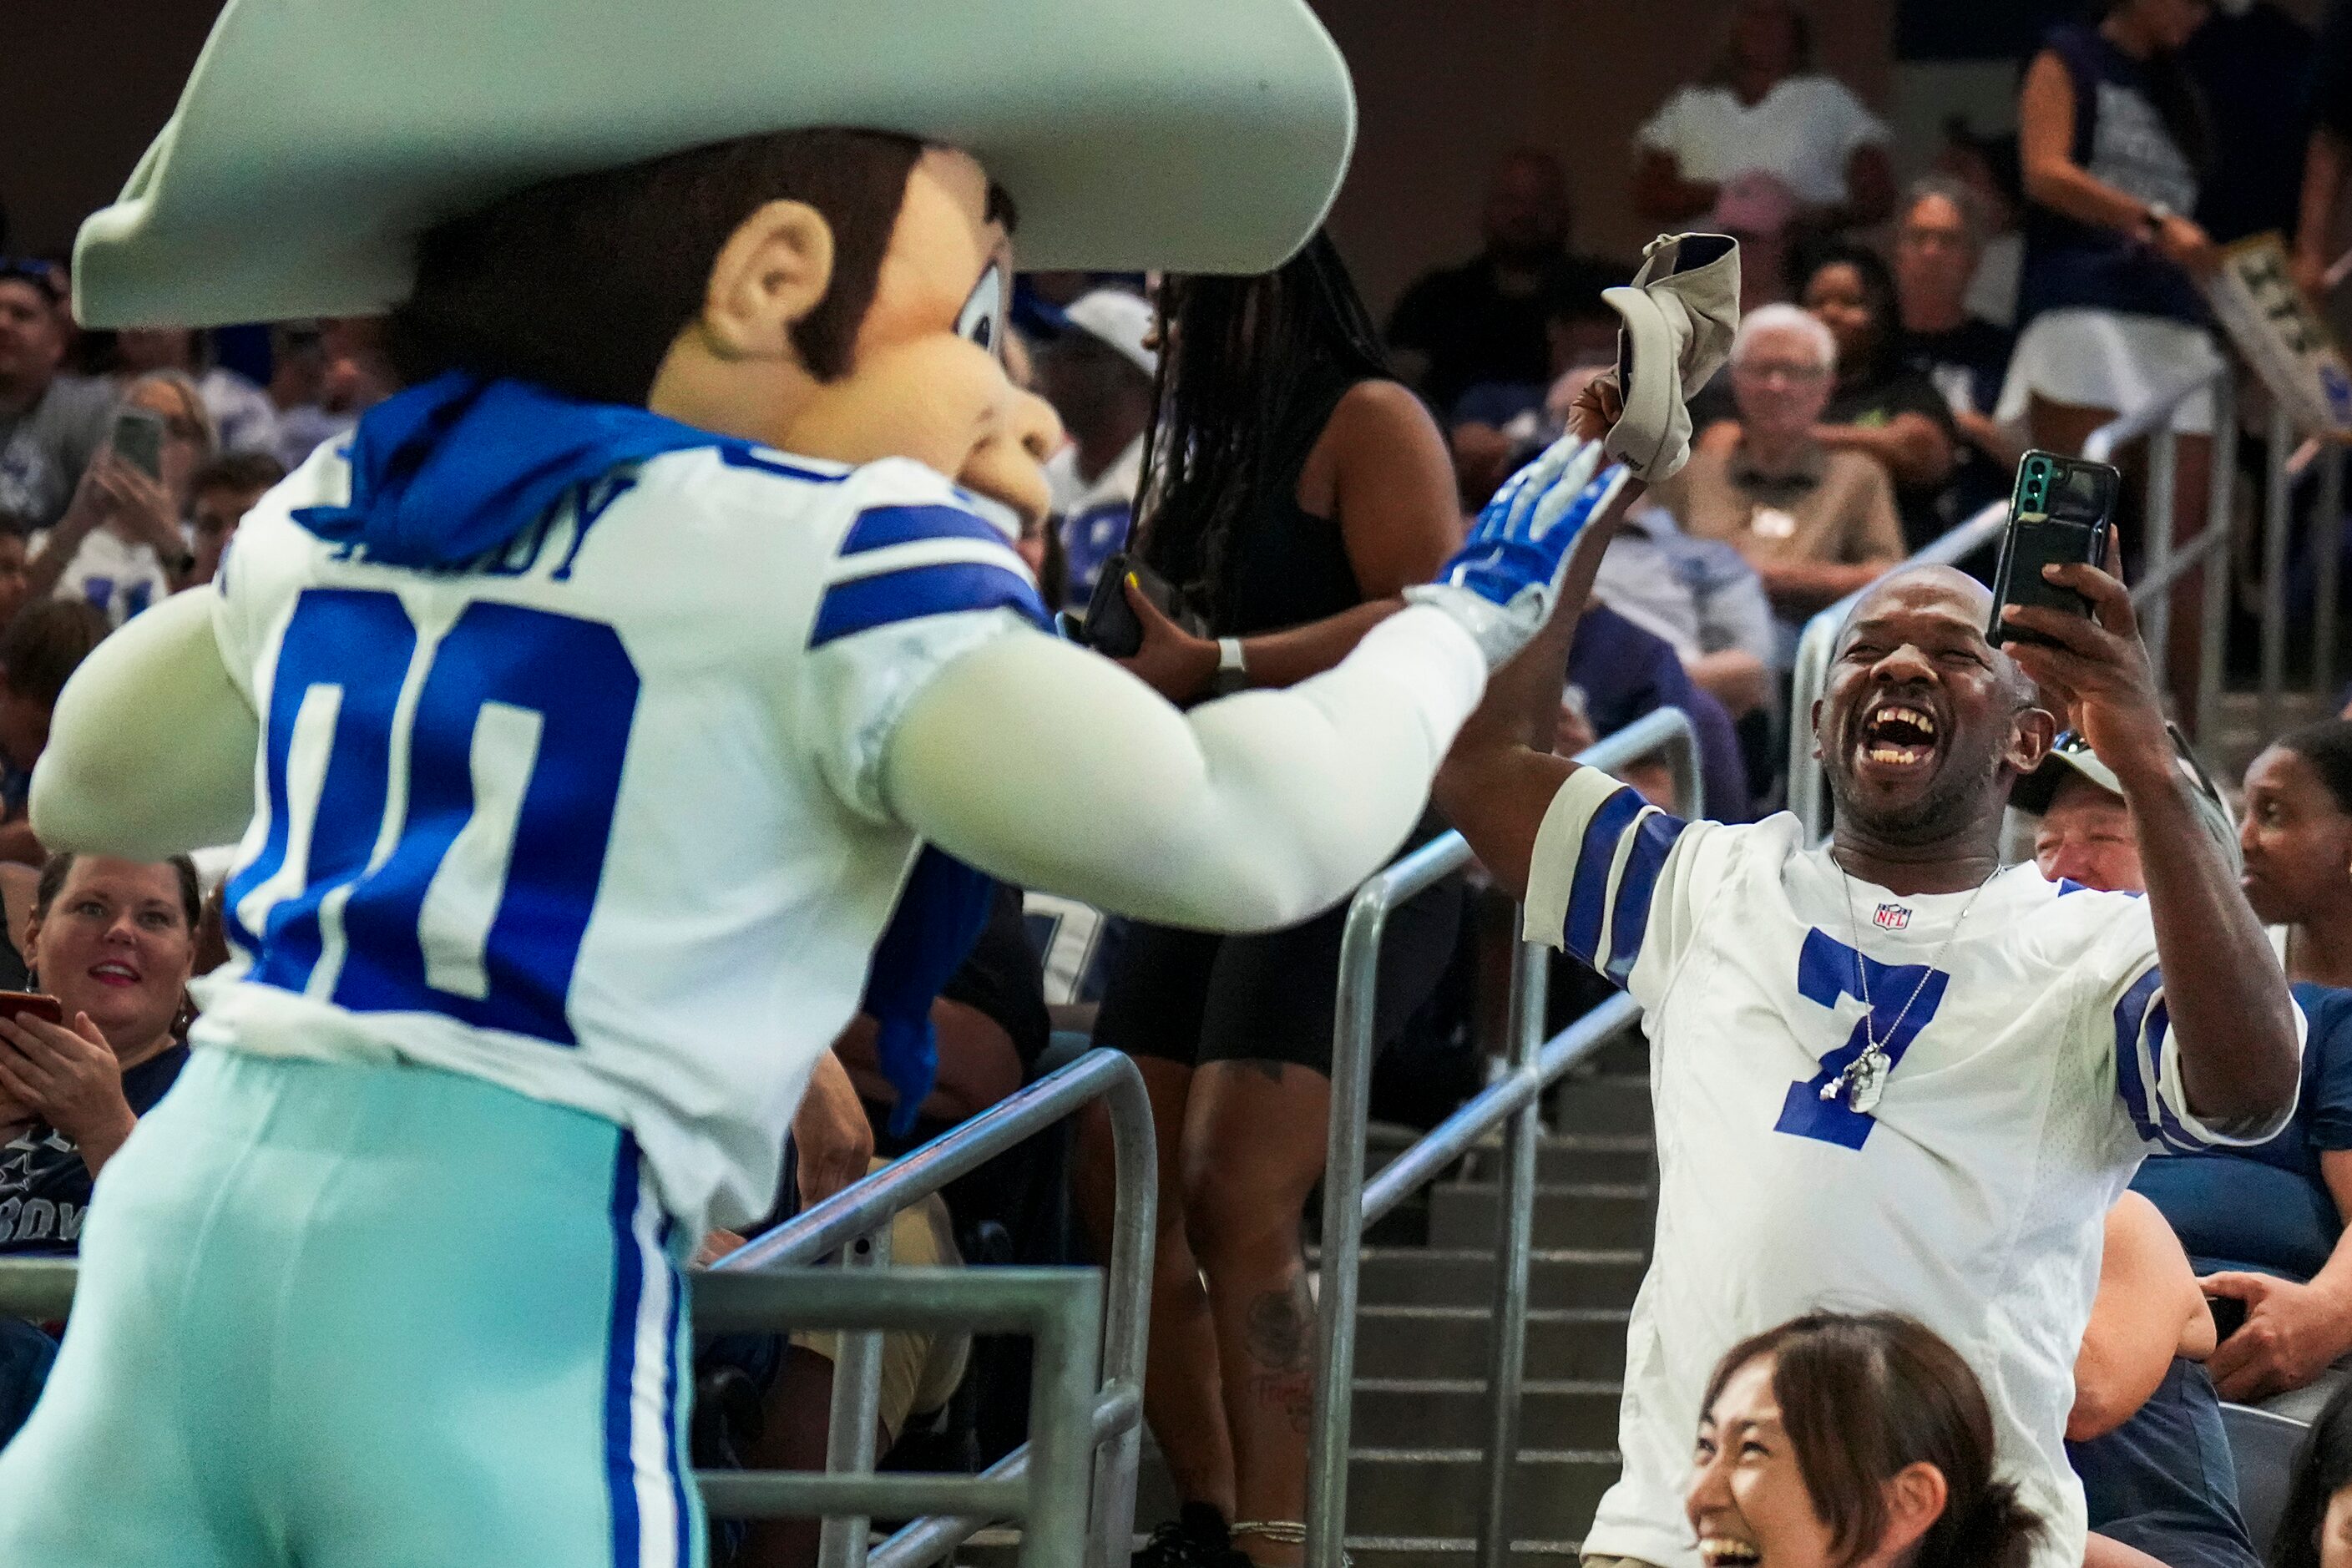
(450, 471)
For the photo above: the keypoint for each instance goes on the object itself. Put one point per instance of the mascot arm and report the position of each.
(151, 745)
(1052, 768)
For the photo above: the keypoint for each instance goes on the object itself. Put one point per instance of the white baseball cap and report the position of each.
(317, 140)
(1123, 320)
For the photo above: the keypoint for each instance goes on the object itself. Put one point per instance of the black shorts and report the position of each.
(1197, 997)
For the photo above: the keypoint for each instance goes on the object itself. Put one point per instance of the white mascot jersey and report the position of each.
(599, 818)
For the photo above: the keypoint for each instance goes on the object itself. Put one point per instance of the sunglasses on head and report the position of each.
(2070, 743)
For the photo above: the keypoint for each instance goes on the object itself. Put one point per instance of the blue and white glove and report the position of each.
(1502, 584)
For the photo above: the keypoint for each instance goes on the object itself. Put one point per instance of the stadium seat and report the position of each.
(2263, 1448)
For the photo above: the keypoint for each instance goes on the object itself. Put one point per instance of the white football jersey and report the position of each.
(599, 818)
(2032, 1067)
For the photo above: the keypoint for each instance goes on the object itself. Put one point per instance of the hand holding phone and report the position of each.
(138, 440)
(1111, 624)
(2060, 514)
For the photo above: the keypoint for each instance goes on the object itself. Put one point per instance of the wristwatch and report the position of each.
(1233, 668)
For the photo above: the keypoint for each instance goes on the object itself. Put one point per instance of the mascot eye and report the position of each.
(981, 319)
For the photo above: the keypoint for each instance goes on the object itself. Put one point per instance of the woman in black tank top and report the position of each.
(1293, 489)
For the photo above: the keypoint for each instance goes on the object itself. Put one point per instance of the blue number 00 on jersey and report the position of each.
(437, 833)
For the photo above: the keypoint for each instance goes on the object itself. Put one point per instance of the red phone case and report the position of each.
(17, 1003)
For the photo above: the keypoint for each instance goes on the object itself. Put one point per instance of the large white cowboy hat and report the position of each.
(317, 139)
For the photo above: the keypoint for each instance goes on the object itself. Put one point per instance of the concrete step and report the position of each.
(1595, 1157)
(1441, 1492)
(1466, 1277)
(1597, 1214)
(1408, 1552)
(1450, 1343)
(1451, 1413)
(1606, 1102)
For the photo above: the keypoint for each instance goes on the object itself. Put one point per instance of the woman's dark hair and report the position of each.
(581, 283)
(2323, 1467)
(1240, 355)
(2328, 747)
(1800, 49)
(1864, 1396)
(1878, 296)
(2176, 97)
(58, 866)
(44, 644)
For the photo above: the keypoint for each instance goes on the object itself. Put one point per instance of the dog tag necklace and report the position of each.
(1864, 1078)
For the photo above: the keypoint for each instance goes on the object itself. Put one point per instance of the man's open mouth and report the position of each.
(1897, 735)
(1720, 1551)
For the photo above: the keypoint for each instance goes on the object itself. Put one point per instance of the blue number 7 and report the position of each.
(1827, 969)
(476, 906)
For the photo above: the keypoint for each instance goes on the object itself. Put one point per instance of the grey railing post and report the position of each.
(1126, 1315)
(2221, 514)
(2163, 464)
(2277, 494)
(841, 1539)
(1061, 1453)
(2327, 568)
(1343, 1201)
(1514, 1239)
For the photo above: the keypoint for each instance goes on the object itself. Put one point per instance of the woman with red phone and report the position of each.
(110, 944)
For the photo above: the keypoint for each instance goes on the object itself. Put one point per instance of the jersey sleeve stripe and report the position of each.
(886, 598)
(2135, 1080)
(878, 527)
(1653, 839)
(2169, 1128)
(1588, 898)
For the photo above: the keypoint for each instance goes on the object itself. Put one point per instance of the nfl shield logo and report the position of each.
(1892, 917)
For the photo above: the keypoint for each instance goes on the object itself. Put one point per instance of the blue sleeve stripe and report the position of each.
(879, 527)
(887, 597)
(1651, 841)
(2132, 1086)
(739, 455)
(2169, 1128)
(1587, 895)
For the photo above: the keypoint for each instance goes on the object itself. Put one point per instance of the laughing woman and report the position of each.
(1860, 1442)
(114, 941)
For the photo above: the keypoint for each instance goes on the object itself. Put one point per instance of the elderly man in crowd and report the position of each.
(1887, 1072)
(1939, 240)
(51, 426)
(1815, 523)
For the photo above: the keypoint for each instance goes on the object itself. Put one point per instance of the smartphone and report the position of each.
(2229, 1316)
(30, 1004)
(2061, 512)
(138, 440)
(1111, 626)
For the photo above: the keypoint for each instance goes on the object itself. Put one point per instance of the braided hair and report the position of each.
(1241, 355)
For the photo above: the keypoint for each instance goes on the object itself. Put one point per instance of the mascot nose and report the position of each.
(1035, 426)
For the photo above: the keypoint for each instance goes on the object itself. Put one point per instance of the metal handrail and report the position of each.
(864, 1210)
(1059, 1309)
(1080, 1419)
(1350, 1207)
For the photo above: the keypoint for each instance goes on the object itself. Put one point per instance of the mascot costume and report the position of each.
(648, 686)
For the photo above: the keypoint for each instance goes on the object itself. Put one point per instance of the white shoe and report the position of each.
(1679, 316)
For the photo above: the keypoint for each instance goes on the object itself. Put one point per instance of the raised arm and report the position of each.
(152, 746)
(2230, 1014)
(1046, 765)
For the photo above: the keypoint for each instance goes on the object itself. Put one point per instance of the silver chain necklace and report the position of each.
(1864, 1078)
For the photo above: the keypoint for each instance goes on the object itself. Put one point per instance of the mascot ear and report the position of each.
(770, 274)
